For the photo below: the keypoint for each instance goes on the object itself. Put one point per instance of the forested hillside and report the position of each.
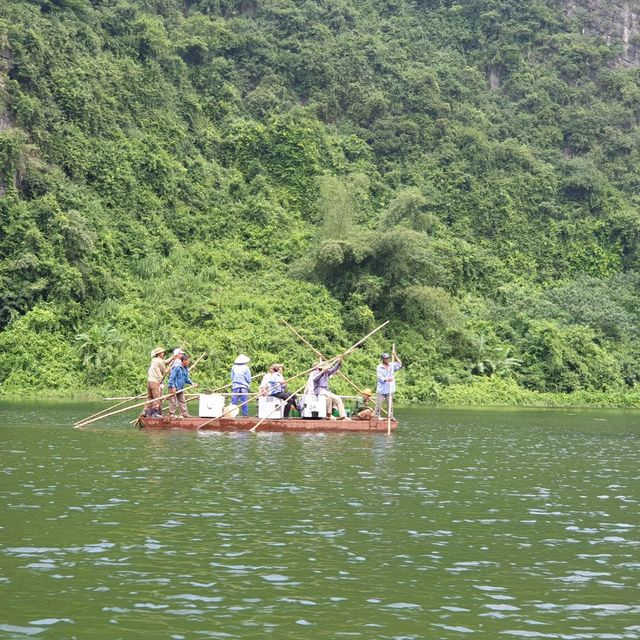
(186, 173)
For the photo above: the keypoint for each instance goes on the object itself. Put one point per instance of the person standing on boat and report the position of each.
(158, 369)
(386, 380)
(362, 408)
(178, 379)
(240, 383)
(323, 371)
(273, 384)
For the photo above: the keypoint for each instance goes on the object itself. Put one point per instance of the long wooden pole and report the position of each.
(361, 341)
(94, 415)
(124, 401)
(297, 375)
(191, 368)
(255, 426)
(338, 357)
(134, 406)
(195, 364)
(257, 375)
(319, 354)
(393, 355)
(250, 399)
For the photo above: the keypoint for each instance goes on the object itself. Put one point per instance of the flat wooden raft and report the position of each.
(293, 425)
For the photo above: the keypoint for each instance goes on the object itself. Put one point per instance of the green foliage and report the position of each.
(39, 357)
(99, 349)
(186, 173)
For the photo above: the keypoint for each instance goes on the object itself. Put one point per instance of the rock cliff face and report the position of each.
(614, 20)
(6, 120)
(5, 117)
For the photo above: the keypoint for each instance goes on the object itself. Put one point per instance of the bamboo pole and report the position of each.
(195, 364)
(361, 341)
(135, 406)
(124, 401)
(297, 375)
(253, 397)
(119, 404)
(338, 357)
(319, 354)
(191, 368)
(254, 376)
(255, 426)
(393, 355)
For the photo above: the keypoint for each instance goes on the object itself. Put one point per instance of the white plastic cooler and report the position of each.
(314, 406)
(270, 407)
(211, 405)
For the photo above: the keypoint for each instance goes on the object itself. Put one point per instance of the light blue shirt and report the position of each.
(240, 377)
(387, 371)
(273, 382)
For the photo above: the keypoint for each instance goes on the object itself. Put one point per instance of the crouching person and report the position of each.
(362, 408)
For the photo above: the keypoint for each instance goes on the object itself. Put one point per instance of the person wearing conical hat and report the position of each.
(158, 369)
(386, 380)
(241, 383)
(362, 408)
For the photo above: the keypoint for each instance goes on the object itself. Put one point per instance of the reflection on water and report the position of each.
(485, 523)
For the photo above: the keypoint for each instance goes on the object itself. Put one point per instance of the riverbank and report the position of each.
(483, 392)
(496, 392)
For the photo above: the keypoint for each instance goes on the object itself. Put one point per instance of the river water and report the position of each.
(464, 523)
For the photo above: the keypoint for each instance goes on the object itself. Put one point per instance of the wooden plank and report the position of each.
(295, 425)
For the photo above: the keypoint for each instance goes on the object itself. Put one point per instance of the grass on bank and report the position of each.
(484, 392)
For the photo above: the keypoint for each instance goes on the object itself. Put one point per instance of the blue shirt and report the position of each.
(273, 382)
(179, 378)
(240, 377)
(387, 371)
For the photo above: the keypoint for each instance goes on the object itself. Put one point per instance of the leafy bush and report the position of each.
(185, 173)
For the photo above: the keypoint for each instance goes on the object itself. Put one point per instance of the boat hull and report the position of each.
(289, 425)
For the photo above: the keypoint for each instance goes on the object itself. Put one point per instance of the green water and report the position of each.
(481, 523)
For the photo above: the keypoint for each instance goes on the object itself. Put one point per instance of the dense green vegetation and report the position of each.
(186, 173)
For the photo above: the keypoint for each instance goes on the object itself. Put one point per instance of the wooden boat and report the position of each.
(288, 425)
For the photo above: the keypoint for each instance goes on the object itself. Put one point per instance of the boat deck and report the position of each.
(293, 425)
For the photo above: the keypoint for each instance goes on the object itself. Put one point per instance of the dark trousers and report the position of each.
(283, 395)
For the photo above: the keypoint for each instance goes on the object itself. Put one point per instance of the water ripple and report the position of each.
(489, 523)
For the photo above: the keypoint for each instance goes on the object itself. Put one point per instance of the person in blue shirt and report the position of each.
(178, 379)
(386, 380)
(240, 383)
